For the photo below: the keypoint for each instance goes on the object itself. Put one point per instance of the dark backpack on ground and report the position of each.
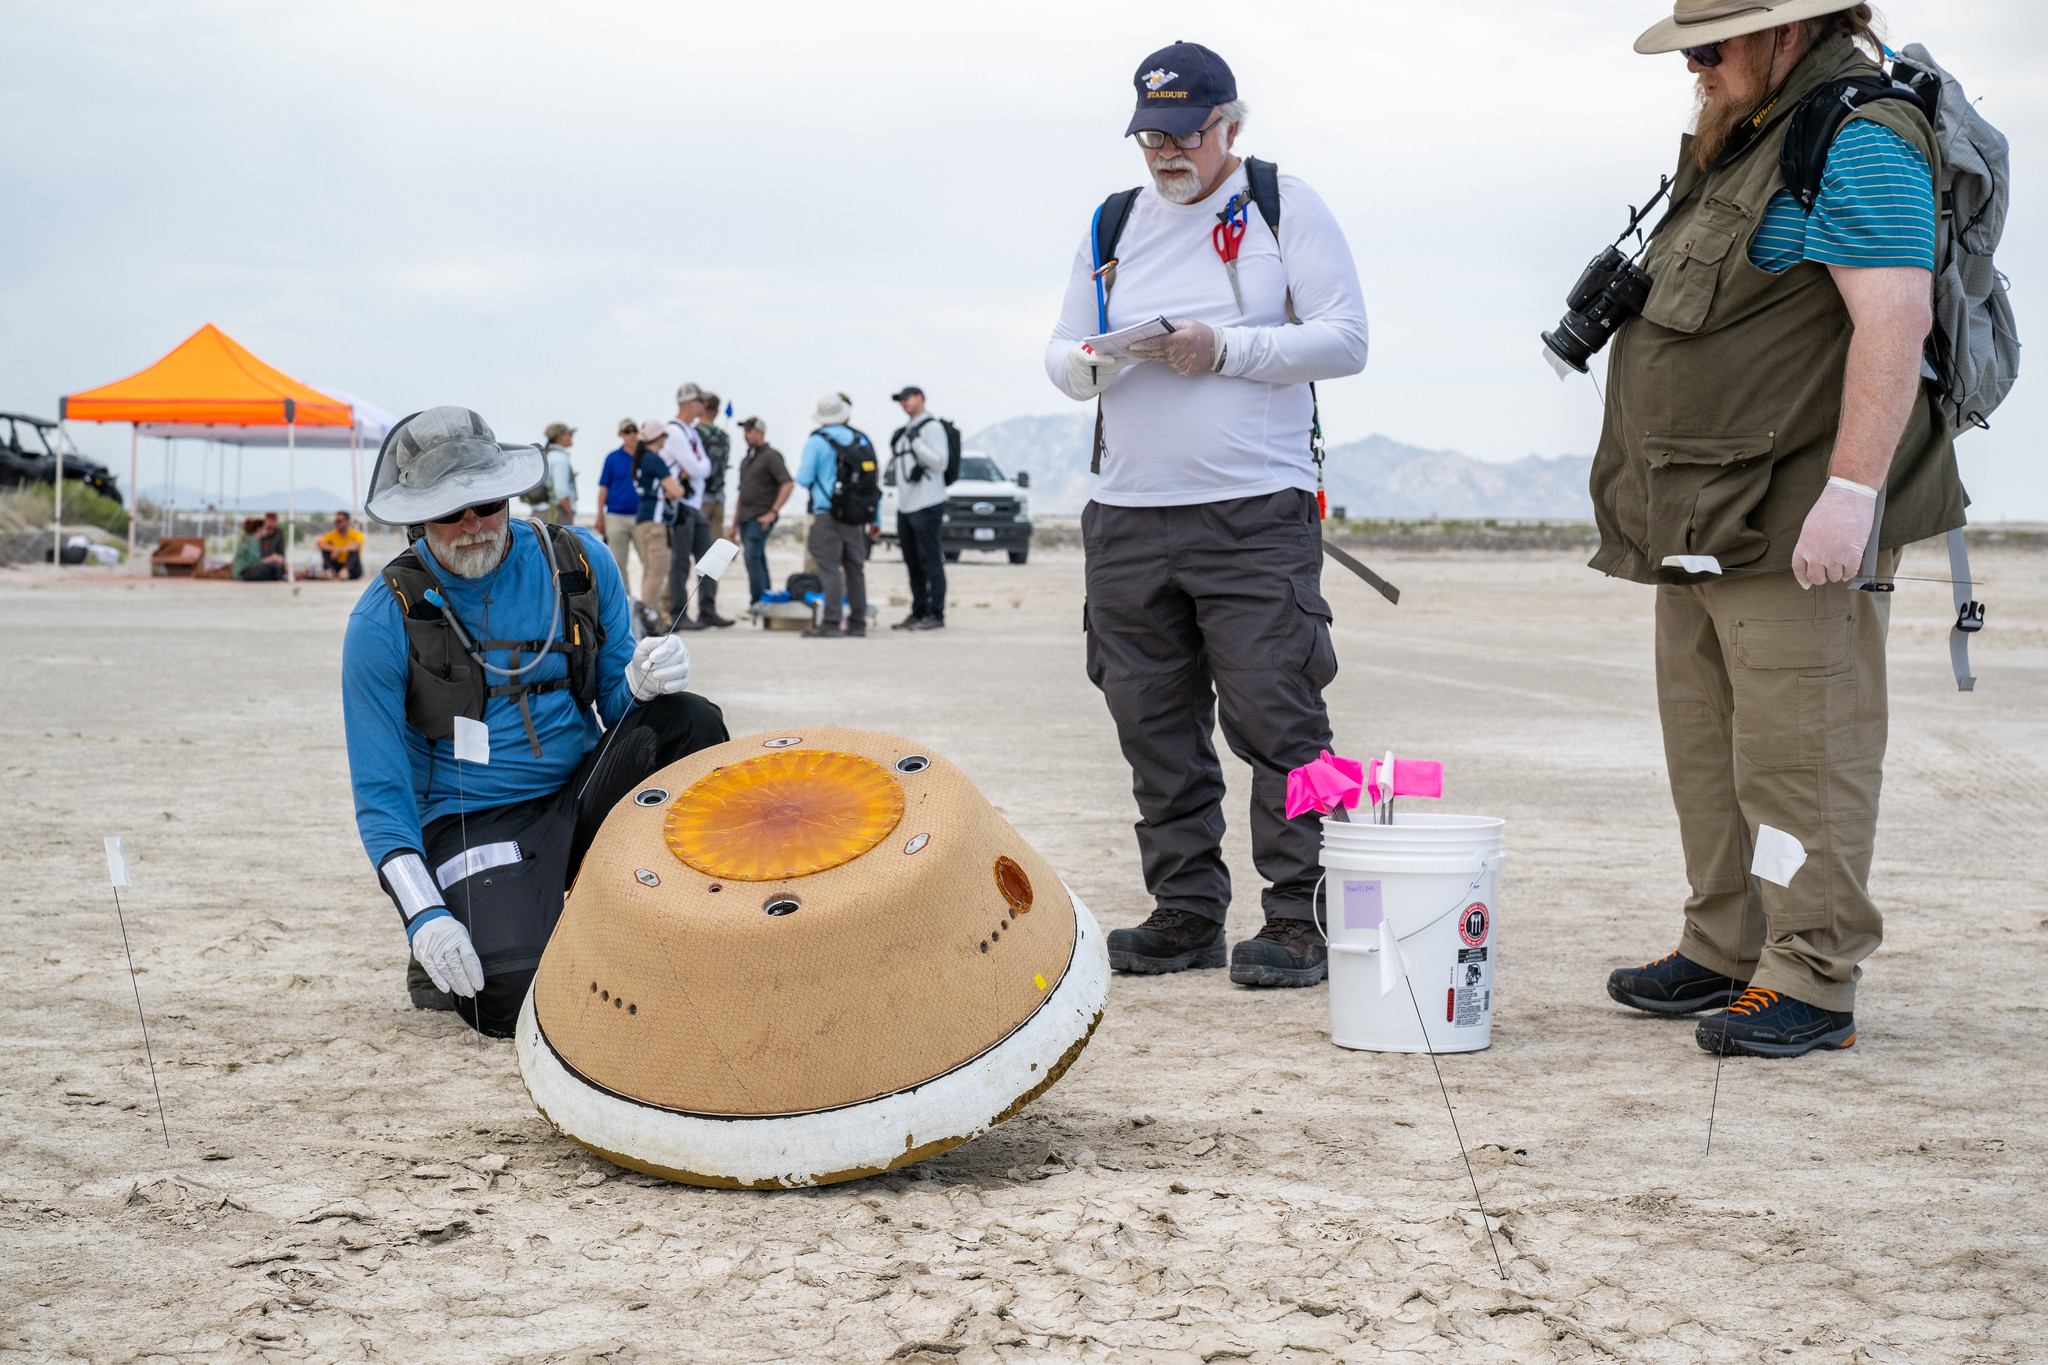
(797, 584)
(857, 485)
(443, 680)
(897, 446)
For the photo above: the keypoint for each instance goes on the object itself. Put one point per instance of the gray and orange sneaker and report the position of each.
(1767, 1024)
(1673, 984)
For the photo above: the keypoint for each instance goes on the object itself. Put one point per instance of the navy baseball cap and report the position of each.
(1178, 86)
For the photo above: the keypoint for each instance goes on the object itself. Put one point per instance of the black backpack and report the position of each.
(857, 487)
(952, 447)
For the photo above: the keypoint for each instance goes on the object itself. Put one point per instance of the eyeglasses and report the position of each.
(1151, 139)
(1710, 55)
(482, 509)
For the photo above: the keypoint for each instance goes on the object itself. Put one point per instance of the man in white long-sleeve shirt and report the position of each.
(919, 450)
(690, 533)
(1203, 539)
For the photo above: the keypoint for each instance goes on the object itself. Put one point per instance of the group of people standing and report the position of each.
(662, 492)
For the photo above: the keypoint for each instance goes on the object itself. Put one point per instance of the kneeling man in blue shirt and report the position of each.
(523, 629)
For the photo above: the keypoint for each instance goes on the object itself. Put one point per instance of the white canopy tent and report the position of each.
(367, 432)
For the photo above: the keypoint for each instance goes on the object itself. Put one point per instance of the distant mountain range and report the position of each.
(188, 499)
(1375, 477)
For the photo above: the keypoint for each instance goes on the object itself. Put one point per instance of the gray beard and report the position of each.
(1180, 189)
(476, 559)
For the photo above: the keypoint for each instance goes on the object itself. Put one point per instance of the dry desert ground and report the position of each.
(348, 1179)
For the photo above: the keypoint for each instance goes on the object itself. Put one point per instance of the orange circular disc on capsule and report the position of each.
(782, 815)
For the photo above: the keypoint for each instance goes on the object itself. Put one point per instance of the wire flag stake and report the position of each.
(117, 875)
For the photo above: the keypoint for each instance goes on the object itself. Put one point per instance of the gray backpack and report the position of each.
(1975, 349)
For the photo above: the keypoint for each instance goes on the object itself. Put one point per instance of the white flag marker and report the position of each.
(1778, 855)
(117, 862)
(472, 741)
(1390, 957)
(717, 559)
(117, 873)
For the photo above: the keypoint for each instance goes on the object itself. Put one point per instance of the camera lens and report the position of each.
(1608, 293)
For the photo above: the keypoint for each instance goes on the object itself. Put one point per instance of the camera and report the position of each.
(1612, 290)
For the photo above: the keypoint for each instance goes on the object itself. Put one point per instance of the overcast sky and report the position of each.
(552, 212)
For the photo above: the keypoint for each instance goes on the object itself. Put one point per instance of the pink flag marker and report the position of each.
(1388, 778)
(1324, 784)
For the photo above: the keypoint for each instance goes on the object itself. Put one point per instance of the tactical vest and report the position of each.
(1724, 396)
(445, 680)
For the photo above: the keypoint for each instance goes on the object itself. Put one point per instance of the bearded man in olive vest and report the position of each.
(1767, 394)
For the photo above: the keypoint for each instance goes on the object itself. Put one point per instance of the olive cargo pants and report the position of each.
(1773, 703)
(1194, 608)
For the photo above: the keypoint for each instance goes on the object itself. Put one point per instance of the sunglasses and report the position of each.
(1710, 55)
(482, 509)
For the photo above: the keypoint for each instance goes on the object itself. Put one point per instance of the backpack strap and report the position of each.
(1106, 230)
(1264, 178)
(1803, 157)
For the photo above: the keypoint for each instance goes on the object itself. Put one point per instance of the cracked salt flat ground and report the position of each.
(1213, 1181)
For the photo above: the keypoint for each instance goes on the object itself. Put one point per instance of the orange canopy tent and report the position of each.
(208, 379)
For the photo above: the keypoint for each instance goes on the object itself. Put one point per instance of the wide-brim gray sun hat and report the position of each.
(1697, 23)
(832, 408)
(440, 461)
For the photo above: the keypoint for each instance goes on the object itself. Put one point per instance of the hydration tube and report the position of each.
(547, 548)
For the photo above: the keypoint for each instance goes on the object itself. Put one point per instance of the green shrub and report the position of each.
(36, 503)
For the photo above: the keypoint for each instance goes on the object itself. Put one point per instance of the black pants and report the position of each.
(263, 573)
(509, 904)
(918, 533)
(1189, 608)
(689, 536)
(350, 564)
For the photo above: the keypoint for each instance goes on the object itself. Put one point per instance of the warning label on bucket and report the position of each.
(1470, 998)
(1473, 924)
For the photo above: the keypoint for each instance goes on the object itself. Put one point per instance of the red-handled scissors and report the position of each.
(1228, 237)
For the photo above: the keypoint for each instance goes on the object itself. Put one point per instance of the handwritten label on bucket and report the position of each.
(1362, 905)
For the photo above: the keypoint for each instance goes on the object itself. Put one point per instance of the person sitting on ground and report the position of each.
(618, 498)
(521, 628)
(918, 454)
(764, 486)
(253, 564)
(341, 550)
(274, 543)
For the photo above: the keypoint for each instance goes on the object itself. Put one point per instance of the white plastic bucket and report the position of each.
(1436, 879)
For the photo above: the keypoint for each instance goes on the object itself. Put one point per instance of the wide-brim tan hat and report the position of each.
(832, 408)
(1696, 23)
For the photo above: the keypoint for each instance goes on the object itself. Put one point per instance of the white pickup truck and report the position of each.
(986, 509)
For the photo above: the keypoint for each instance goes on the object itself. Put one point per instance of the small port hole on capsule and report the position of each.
(984, 945)
(593, 988)
(784, 906)
(912, 763)
(618, 1004)
(716, 887)
(653, 796)
(632, 1009)
(605, 995)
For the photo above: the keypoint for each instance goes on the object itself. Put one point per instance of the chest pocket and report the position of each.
(1686, 283)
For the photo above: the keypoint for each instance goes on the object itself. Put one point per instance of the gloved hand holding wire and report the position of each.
(442, 946)
(1089, 371)
(1190, 348)
(1830, 548)
(660, 665)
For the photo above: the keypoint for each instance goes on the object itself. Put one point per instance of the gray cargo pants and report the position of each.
(1194, 607)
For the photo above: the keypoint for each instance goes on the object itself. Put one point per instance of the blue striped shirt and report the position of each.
(1875, 208)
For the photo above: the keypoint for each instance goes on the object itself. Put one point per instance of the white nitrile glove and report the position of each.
(1190, 348)
(660, 665)
(442, 946)
(1089, 371)
(1830, 548)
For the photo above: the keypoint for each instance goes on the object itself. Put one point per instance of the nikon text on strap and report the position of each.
(445, 674)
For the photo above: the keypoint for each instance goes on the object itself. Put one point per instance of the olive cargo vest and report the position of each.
(1724, 396)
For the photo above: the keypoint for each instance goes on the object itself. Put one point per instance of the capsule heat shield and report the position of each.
(802, 957)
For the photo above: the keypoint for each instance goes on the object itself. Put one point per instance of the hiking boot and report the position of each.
(1286, 952)
(1673, 984)
(685, 623)
(856, 632)
(712, 618)
(821, 632)
(908, 622)
(1170, 941)
(425, 994)
(930, 623)
(1767, 1024)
